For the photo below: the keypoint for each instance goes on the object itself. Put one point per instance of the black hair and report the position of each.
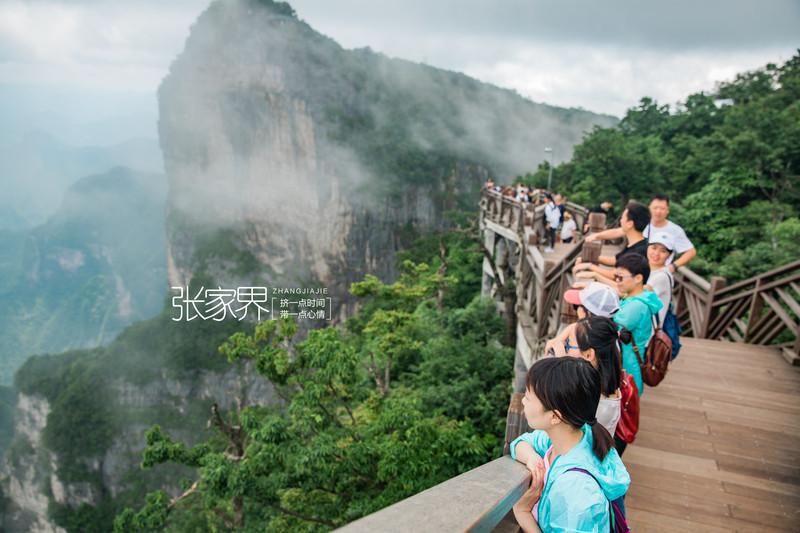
(639, 214)
(635, 264)
(661, 197)
(571, 386)
(600, 334)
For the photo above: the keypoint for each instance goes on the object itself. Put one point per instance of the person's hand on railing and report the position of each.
(534, 462)
(581, 283)
(590, 238)
(555, 347)
(581, 265)
(524, 506)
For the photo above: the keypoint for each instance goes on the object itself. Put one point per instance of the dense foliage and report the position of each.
(408, 393)
(730, 161)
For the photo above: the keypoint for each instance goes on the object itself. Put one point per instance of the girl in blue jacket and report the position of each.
(560, 402)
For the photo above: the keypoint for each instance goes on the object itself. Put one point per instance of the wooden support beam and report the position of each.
(717, 283)
(787, 299)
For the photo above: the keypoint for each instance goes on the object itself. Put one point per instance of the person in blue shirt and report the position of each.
(637, 309)
(560, 403)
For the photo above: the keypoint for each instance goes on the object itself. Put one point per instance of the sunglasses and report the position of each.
(568, 346)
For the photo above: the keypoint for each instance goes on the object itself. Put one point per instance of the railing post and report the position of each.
(516, 423)
(597, 222)
(717, 283)
(590, 253)
(755, 311)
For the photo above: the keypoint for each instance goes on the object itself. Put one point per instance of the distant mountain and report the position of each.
(78, 116)
(94, 267)
(36, 169)
(312, 164)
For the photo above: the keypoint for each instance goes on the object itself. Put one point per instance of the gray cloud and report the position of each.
(674, 25)
(600, 55)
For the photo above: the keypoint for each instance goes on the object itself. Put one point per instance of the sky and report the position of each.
(93, 58)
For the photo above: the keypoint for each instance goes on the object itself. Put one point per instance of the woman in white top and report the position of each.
(659, 250)
(595, 339)
(568, 228)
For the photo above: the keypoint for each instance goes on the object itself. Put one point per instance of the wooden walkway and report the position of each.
(718, 447)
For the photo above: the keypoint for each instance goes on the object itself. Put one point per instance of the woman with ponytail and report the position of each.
(595, 338)
(597, 341)
(576, 472)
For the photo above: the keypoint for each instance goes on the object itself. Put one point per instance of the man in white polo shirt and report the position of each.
(659, 211)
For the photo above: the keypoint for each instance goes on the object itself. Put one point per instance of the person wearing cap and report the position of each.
(596, 299)
(659, 250)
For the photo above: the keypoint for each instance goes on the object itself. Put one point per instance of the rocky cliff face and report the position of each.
(315, 157)
(31, 476)
(290, 162)
(26, 469)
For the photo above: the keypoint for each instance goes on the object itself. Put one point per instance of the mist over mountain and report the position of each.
(95, 266)
(314, 161)
(290, 161)
(36, 169)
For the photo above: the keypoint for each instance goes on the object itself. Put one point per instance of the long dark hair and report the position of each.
(571, 386)
(600, 334)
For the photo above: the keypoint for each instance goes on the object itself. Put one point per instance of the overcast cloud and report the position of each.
(599, 55)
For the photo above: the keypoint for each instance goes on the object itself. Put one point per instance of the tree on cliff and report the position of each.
(401, 398)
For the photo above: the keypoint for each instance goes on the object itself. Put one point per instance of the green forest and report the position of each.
(728, 159)
(411, 391)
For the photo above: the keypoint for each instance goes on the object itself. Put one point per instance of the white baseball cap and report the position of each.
(599, 299)
(663, 238)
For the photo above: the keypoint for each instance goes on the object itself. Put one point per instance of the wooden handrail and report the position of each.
(774, 272)
(755, 310)
(695, 278)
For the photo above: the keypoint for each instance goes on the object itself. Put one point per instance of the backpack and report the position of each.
(656, 357)
(672, 328)
(628, 424)
(618, 522)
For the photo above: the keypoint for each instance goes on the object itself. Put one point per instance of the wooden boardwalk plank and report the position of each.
(717, 448)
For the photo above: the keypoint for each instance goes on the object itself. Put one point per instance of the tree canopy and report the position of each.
(408, 393)
(729, 160)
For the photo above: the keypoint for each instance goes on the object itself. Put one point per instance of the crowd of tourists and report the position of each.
(559, 224)
(582, 398)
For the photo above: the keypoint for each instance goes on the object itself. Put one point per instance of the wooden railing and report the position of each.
(763, 309)
(760, 310)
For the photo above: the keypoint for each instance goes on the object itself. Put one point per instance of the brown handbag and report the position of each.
(656, 357)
